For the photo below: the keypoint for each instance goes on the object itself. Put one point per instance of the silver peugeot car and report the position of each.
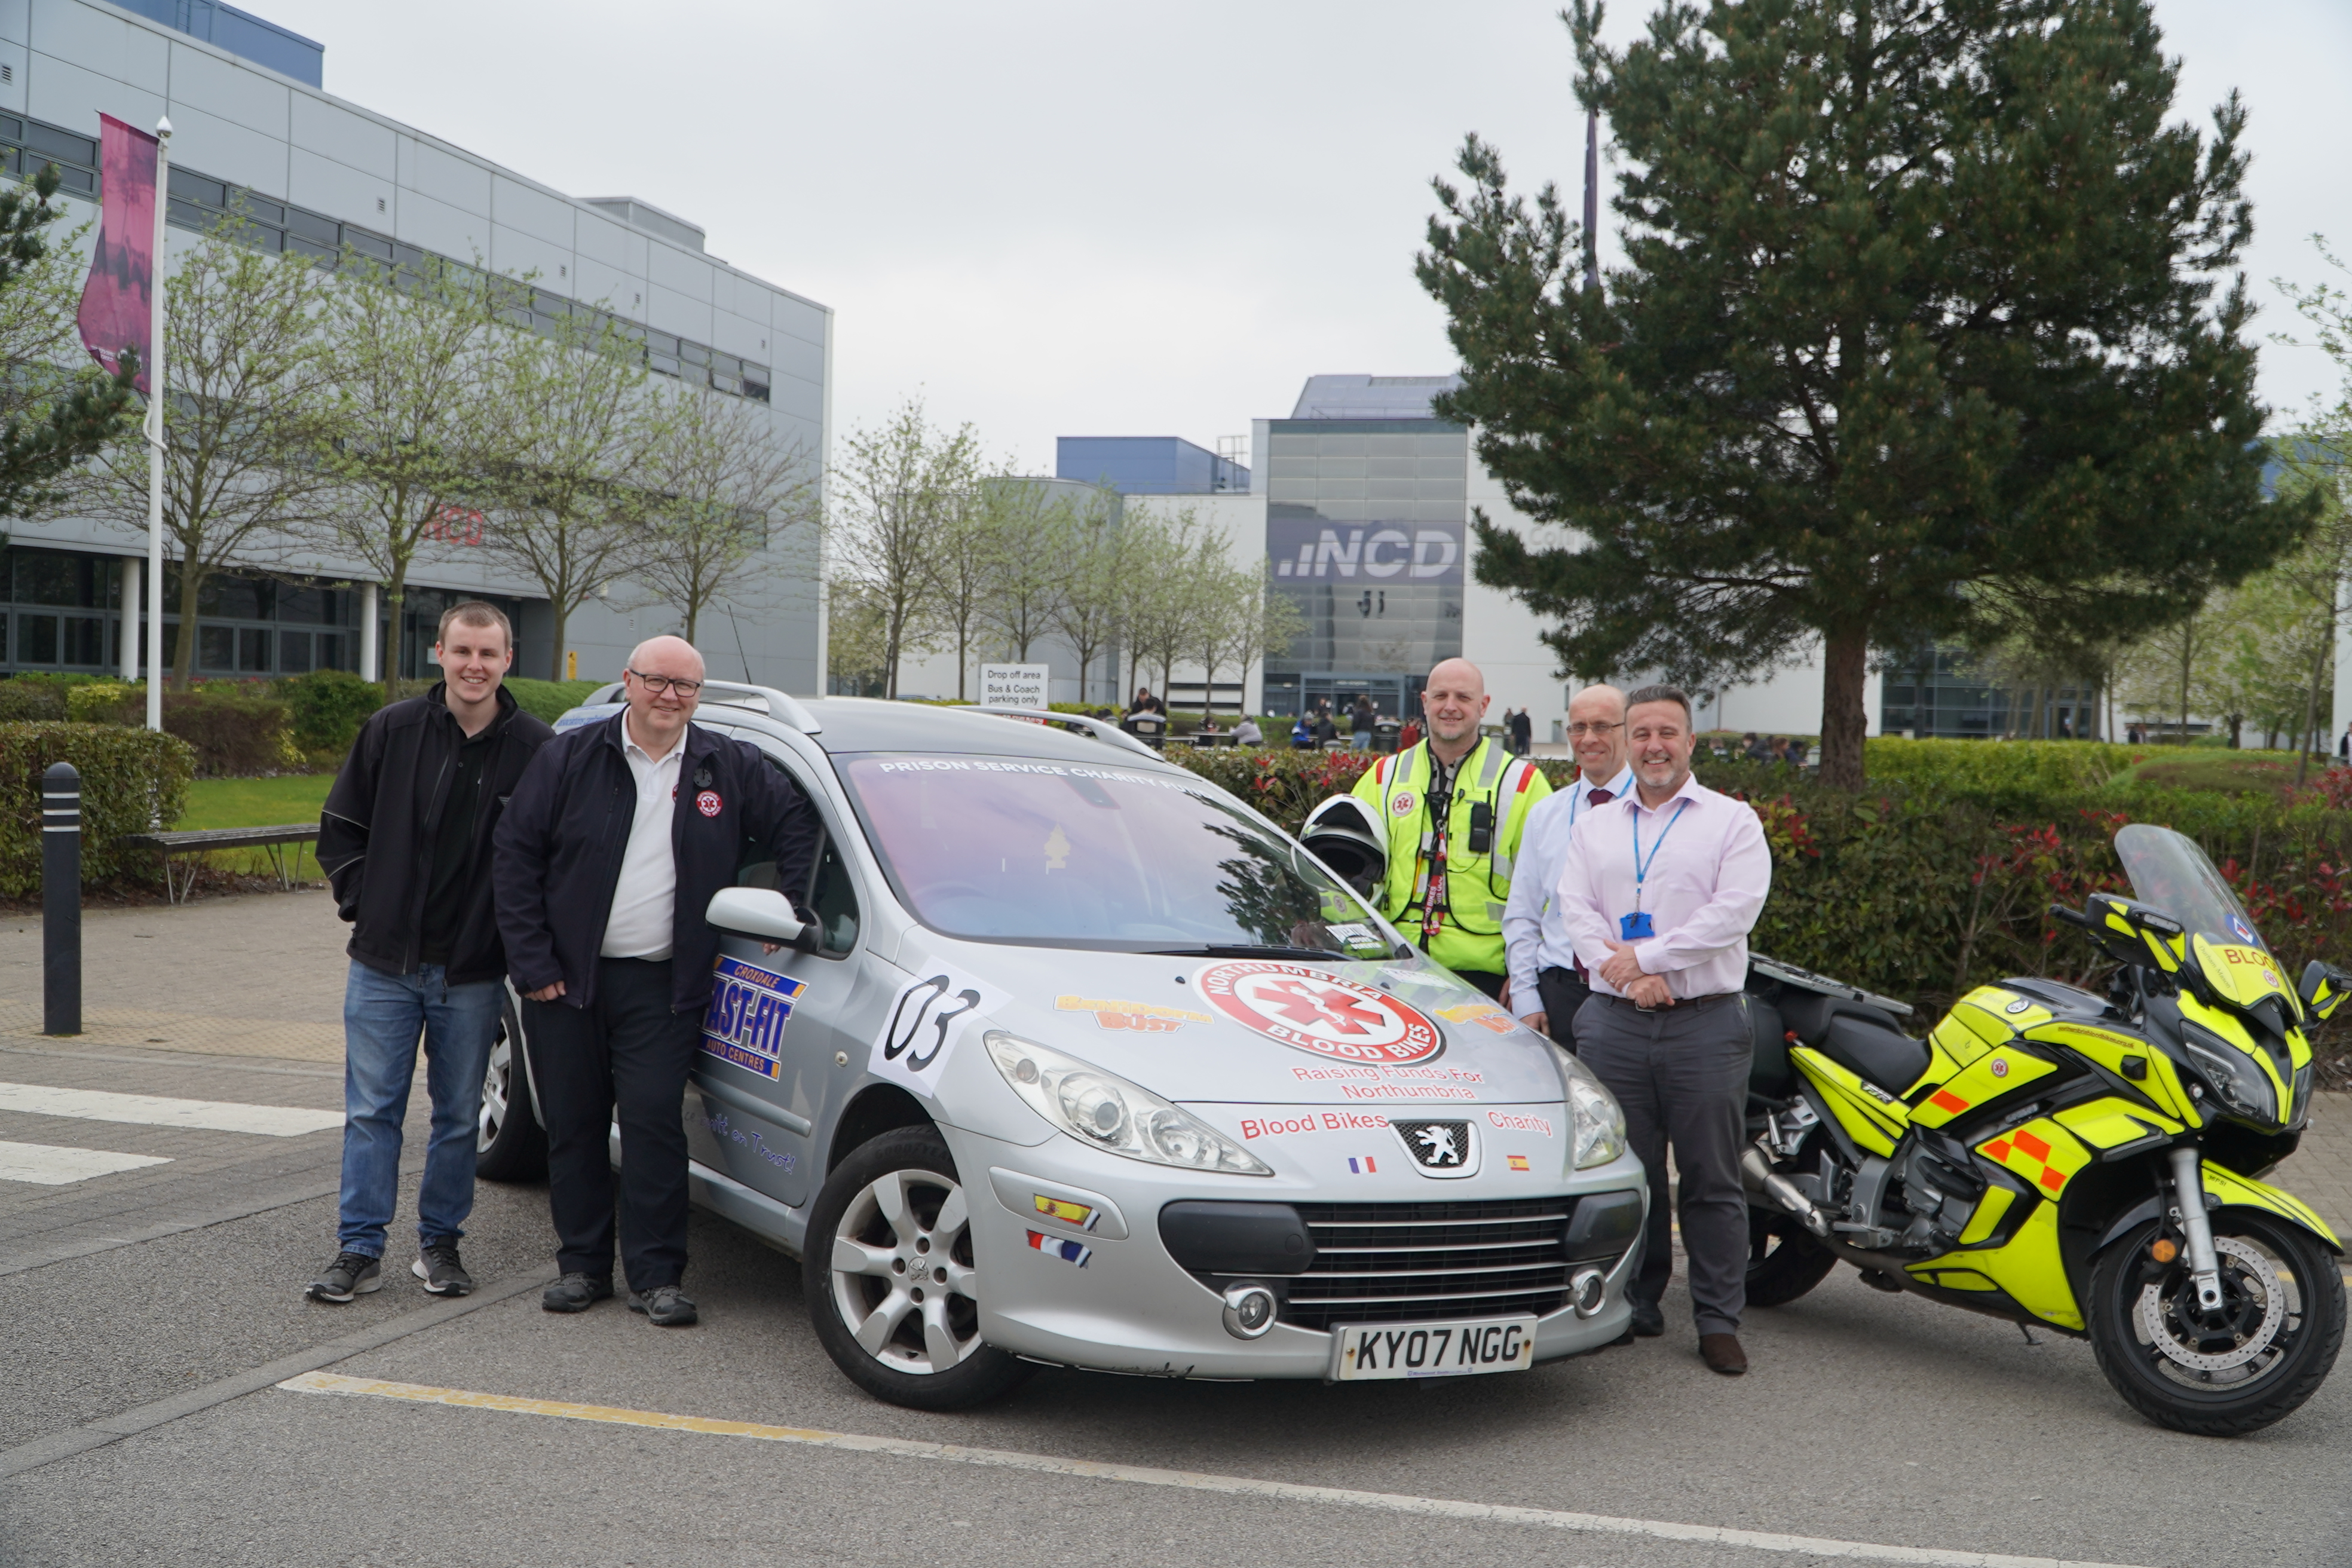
(1083, 1062)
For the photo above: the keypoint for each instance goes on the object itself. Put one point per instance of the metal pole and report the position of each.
(62, 899)
(156, 393)
(129, 598)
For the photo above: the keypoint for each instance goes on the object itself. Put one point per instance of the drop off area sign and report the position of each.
(1013, 684)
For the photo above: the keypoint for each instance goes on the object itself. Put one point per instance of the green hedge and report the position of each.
(551, 699)
(132, 779)
(1922, 889)
(326, 707)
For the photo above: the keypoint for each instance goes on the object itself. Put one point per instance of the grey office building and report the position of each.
(308, 172)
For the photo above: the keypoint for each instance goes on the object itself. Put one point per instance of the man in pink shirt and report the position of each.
(1659, 890)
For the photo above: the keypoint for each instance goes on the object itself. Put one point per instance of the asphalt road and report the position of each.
(1868, 1419)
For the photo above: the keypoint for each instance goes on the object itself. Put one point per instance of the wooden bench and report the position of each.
(190, 846)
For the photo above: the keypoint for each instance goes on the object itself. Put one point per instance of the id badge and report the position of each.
(1636, 926)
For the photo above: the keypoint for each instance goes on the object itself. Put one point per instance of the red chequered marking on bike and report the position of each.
(1945, 1101)
(2027, 1142)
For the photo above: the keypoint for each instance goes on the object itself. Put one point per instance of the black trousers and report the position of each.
(628, 1053)
(1492, 984)
(1680, 1074)
(1563, 990)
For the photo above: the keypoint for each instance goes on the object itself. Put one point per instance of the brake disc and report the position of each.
(2253, 1271)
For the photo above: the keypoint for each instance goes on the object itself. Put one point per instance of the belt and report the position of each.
(1697, 1003)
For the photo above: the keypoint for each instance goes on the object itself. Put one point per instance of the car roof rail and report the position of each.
(783, 708)
(1100, 729)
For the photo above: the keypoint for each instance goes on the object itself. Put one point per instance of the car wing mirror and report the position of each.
(2323, 988)
(761, 913)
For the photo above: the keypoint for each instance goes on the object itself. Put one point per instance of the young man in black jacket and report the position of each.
(607, 856)
(405, 843)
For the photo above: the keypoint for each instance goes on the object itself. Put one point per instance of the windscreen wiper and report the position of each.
(1249, 950)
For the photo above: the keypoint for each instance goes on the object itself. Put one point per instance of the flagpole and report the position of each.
(155, 435)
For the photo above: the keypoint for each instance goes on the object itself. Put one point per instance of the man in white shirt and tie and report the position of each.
(1548, 984)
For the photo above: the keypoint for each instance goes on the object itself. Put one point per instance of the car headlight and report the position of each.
(1599, 1122)
(1105, 1111)
(2235, 1077)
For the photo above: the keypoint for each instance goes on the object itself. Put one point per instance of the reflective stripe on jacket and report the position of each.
(1477, 885)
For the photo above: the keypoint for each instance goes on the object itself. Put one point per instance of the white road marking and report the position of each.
(1190, 1480)
(156, 1110)
(48, 1166)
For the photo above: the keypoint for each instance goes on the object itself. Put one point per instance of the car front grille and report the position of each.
(1412, 1263)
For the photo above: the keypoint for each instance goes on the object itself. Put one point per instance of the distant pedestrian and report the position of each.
(1246, 733)
(405, 843)
(1362, 718)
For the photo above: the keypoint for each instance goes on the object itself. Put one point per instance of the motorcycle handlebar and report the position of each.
(2072, 916)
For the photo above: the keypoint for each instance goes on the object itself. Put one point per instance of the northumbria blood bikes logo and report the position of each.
(1316, 1011)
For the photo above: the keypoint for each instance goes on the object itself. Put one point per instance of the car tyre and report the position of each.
(892, 1284)
(513, 1145)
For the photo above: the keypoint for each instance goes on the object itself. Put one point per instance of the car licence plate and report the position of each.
(1371, 1351)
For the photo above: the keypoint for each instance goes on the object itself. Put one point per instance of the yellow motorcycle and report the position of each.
(2052, 1156)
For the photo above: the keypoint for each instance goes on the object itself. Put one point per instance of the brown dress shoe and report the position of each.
(1722, 1353)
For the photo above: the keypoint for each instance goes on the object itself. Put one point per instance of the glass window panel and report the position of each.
(12, 127)
(46, 577)
(661, 344)
(216, 647)
(37, 639)
(261, 208)
(330, 647)
(327, 254)
(315, 226)
(77, 180)
(368, 244)
(693, 354)
(56, 143)
(1390, 446)
(85, 640)
(1389, 489)
(234, 598)
(1341, 467)
(662, 365)
(1342, 446)
(194, 187)
(293, 652)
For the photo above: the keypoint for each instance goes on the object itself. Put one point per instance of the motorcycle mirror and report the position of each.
(2323, 988)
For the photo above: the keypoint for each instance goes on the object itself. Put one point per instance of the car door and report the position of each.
(773, 1037)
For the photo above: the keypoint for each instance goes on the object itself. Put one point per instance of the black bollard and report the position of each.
(62, 899)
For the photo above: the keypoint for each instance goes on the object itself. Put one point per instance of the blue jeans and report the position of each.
(382, 1016)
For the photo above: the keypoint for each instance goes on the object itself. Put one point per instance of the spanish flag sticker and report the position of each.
(1062, 1209)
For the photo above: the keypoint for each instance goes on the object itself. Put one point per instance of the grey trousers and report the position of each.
(1681, 1075)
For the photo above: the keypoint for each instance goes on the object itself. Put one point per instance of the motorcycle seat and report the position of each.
(1857, 1036)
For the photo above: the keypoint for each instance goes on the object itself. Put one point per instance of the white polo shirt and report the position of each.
(644, 900)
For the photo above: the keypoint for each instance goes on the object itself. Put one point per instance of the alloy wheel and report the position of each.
(902, 1274)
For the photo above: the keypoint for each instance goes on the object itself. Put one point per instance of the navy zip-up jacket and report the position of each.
(376, 835)
(561, 837)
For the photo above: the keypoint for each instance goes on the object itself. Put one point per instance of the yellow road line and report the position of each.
(1190, 1480)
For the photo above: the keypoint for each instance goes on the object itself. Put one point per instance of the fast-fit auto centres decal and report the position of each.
(745, 1021)
(1315, 1010)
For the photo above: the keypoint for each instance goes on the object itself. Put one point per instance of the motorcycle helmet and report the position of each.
(1344, 835)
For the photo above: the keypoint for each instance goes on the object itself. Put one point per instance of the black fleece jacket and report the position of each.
(376, 835)
(560, 842)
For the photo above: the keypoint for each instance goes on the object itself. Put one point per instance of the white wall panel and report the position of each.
(445, 177)
(437, 225)
(340, 191)
(738, 336)
(517, 206)
(600, 238)
(791, 357)
(675, 271)
(206, 143)
(614, 289)
(670, 312)
(92, 36)
(16, 20)
(513, 251)
(229, 92)
(329, 131)
(18, 60)
(147, 58)
(66, 95)
(799, 319)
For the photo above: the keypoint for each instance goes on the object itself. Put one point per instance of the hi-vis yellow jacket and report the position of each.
(1476, 885)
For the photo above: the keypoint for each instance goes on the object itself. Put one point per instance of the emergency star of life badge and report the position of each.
(706, 803)
(1315, 1010)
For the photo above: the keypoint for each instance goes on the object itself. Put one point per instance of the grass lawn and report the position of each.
(2225, 772)
(257, 803)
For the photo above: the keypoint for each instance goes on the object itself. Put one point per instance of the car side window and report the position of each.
(829, 894)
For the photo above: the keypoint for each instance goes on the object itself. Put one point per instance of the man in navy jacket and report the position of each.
(608, 854)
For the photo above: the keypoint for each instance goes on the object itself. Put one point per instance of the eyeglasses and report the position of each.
(1594, 729)
(657, 684)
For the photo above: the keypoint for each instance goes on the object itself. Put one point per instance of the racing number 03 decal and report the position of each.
(1315, 1010)
(924, 1023)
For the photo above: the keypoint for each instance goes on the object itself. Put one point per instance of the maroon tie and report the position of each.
(1591, 797)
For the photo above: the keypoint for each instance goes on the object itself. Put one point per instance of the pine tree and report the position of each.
(1928, 316)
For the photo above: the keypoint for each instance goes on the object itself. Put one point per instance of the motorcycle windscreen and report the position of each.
(2168, 872)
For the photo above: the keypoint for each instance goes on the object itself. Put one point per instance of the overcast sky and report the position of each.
(1088, 219)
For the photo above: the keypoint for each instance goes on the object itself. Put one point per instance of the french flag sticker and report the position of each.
(1364, 1167)
(1054, 1247)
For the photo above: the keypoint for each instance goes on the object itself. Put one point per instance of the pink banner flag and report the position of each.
(117, 302)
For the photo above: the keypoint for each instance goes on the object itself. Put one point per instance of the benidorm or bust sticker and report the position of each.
(1315, 1010)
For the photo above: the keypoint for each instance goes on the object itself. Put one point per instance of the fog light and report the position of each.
(1589, 1289)
(1249, 1311)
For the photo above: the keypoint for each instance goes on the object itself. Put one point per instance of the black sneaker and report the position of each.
(436, 1264)
(575, 1293)
(665, 1305)
(351, 1274)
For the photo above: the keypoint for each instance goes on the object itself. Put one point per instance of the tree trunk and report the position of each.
(1844, 718)
(2188, 651)
(964, 658)
(2308, 735)
(555, 656)
(183, 656)
(693, 615)
(395, 595)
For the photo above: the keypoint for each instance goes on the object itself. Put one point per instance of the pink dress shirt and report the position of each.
(1703, 891)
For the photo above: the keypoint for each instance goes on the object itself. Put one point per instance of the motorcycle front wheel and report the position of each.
(1784, 1261)
(2224, 1373)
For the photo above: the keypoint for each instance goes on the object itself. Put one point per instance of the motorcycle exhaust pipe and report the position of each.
(1756, 1174)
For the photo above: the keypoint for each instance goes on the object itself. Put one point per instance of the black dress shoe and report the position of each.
(1722, 1353)
(575, 1293)
(1648, 1321)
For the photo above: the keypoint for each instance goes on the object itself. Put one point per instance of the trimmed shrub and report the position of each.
(327, 706)
(132, 779)
(236, 732)
(551, 699)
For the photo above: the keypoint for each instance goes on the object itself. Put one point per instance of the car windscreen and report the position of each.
(2168, 872)
(1075, 855)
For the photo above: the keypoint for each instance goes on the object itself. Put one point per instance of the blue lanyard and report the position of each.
(1642, 867)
